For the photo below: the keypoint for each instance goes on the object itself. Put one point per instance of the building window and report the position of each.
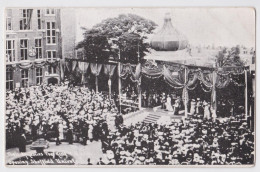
(38, 48)
(25, 78)
(51, 33)
(38, 76)
(39, 19)
(52, 70)
(51, 55)
(10, 50)
(9, 25)
(25, 19)
(50, 11)
(9, 80)
(24, 49)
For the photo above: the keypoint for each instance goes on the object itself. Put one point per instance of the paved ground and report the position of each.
(79, 152)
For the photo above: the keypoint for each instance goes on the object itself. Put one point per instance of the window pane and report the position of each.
(48, 25)
(54, 54)
(53, 25)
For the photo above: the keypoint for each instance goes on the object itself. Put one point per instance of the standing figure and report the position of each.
(192, 107)
(70, 134)
(207, 111)
(169, 104)
(176, 107)
(22, 143)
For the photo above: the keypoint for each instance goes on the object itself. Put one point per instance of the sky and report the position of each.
(201, 26)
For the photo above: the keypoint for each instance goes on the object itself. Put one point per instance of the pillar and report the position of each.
(109, 87)
(139, 95)
(214, 96)
(119, 82)
(246, 95)
(96, 84)
(185, 91)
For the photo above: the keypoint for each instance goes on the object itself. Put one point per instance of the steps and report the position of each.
(152, 118)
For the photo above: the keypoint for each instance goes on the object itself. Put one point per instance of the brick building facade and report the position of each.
(33, 47)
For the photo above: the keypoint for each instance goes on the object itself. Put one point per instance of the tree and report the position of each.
(229, 58)
(125, 34)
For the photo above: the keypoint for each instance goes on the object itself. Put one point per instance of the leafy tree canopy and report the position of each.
(125, 35)
(229, 57)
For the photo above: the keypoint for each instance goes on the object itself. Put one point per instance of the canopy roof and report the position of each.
(203, 58)
(168, 38)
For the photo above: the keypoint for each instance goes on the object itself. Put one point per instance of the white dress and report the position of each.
(207, 112)
(169, 104)
(61, 131)
(192, 108)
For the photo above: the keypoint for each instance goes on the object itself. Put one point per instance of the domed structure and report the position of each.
(168, 38)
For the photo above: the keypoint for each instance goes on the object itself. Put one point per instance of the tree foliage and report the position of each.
(229, 57)
(125, 35)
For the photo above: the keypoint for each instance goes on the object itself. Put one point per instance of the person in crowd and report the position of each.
(192, 107)
(192, 140)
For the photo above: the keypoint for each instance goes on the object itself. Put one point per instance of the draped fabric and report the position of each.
(137, 74)
(222, 81)
(95, 68)
(109, 70)
(172, 80)
(74, 64)
(62, 69)
(25, 65)
(126, 69)
(39, 64)
(83, 67)
(152, 72)
(192, 80)
(206, 78)
(68, 65)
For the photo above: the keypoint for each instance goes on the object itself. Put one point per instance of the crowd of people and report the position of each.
(193, 141)
(78, 114)
(58, 112)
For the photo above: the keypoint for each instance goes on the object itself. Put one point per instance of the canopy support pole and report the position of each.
(119, 81)
(139, 94)
(109, 87)
(96, 84)
(214, 96)
(185, 98)
(246, 100)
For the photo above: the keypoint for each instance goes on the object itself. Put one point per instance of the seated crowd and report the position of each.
(78, 114)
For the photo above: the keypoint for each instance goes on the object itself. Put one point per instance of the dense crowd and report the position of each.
(194, 141)
(79, 114)
(59, 112)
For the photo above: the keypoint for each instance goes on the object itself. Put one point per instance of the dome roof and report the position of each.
(168, 38)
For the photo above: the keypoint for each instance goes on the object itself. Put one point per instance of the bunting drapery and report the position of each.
(95, 68)
(152, 72)
(62, 63)
(68, 65)
(137, 74)
(25, 65)
(83, 67)
(74, 65)
(222, 81)
(125, 71)
(39, 64)
(109, 70)
(172, 80)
